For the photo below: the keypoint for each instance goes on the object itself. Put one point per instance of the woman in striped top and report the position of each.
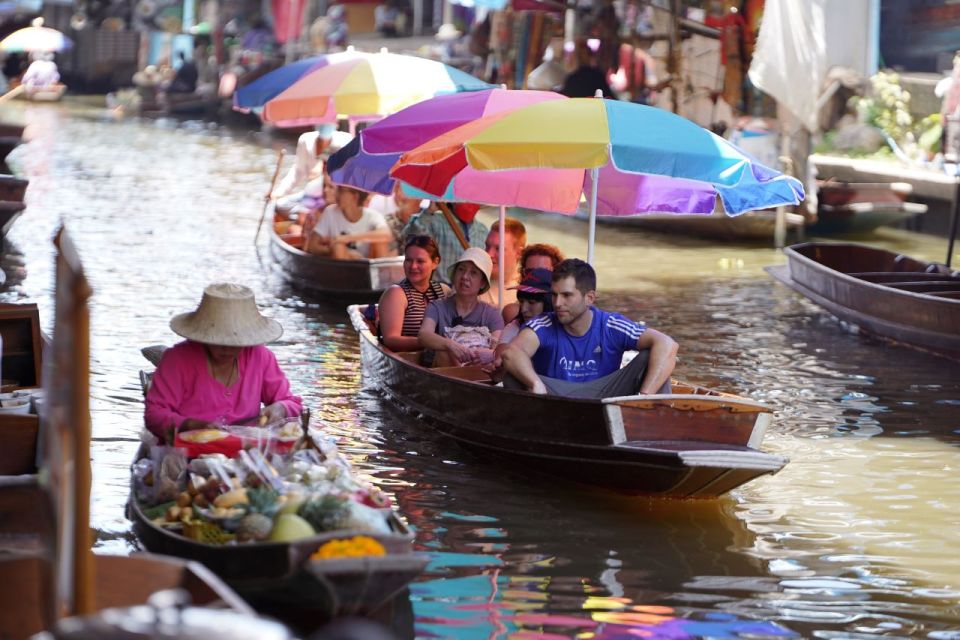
(402, 306)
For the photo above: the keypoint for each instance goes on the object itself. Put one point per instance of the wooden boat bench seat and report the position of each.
(469, 373)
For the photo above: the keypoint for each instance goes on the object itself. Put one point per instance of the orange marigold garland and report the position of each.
(355, 547)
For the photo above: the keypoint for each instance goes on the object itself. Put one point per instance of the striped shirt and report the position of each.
(417, 306)
(593, 355)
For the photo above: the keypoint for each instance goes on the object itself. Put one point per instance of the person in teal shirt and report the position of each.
(434, 224)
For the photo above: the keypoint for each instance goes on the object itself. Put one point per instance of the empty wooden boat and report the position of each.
(885, 294)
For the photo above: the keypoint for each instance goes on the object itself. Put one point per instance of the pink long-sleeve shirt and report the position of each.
(183, 388)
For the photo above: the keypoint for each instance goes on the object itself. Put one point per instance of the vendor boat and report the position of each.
(325, 277)
(304, 582)
(691, 443)
(885, 294)
(57, 574)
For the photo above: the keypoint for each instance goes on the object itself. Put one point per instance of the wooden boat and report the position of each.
(862, 217)
(57, 574)
(281, 580)
(21, 365)
(52, 93)
(837, 193)
(321, 276)
(850, 207)
(891, 296)
(692, 443)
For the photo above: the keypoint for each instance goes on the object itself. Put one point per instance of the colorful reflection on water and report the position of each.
(854, 538)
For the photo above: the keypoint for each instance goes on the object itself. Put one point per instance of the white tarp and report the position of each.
(790, 59)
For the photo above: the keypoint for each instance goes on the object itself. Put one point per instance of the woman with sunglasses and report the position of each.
(402, 306)
(471, 277)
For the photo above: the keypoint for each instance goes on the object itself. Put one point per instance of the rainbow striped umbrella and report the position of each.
(625, 158)
(35, 38)
(253, 96)
(365, 163)
(375, 85)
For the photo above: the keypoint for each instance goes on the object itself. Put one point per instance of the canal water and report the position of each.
(857, 537)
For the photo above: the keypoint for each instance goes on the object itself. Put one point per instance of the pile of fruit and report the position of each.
(263, 497)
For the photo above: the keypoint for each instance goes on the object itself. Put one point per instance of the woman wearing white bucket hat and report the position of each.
(471, 277)
(222, 372)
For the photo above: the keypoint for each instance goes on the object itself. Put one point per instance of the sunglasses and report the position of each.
(457, 321)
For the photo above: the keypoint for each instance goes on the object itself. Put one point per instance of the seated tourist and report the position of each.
(445, 328)
(434, 223)
(540, 256)
(403, 306)
(301, 189)
(350, 231)
(517, 239)
(534, 256)
(221, 374)
(397, 208)
(295, 227)
(534, 299)
(577, 349)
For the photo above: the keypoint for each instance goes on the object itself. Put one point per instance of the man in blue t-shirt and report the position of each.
(576, 350)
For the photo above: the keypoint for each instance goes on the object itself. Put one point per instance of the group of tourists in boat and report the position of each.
(545, 336)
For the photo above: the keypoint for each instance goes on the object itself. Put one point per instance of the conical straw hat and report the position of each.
(227, 316)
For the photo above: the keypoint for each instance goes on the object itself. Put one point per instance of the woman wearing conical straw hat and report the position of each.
(222, 374)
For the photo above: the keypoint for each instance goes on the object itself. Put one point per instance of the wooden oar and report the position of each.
(266, 198)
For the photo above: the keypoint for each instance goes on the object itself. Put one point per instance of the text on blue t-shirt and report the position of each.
(593, 355)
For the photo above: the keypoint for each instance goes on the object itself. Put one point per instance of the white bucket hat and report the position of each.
(228, 317)
(478, 257)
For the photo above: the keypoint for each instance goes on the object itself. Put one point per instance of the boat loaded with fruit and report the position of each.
(269, 504)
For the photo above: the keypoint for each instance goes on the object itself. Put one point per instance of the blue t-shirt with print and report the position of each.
(593, 355)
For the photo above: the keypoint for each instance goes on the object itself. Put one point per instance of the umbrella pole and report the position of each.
(594, 180)
(503, 240)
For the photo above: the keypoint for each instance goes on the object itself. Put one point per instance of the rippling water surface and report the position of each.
(857, 537)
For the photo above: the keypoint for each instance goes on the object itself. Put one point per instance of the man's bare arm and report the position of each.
(517, 360)
(663, 358)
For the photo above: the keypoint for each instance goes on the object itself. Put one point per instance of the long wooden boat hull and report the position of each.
(320, 276)
(698, 444)
(281, 580)
(890, 296)
(863, 217)
(835, 193)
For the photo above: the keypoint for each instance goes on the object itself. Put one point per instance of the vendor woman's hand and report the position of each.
(273, 413)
